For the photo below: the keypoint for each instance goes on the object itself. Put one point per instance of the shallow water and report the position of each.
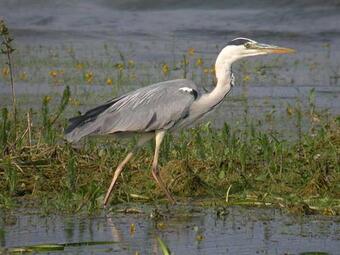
(186, 230)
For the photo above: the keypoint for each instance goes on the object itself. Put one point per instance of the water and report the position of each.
(157, 31)
(185, 229)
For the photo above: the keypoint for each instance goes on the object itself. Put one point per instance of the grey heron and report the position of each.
(153, 110)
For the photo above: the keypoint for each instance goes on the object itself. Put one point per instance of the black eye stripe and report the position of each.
(237, 42)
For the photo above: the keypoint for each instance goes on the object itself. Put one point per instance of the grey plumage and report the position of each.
(155, 107)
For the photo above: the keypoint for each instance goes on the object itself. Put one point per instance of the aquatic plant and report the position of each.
(164, 248)
(49, 119)
(7, 49)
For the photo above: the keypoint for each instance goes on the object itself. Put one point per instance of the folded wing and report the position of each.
(158, 106)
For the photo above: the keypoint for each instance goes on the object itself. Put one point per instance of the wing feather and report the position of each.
(158, 106)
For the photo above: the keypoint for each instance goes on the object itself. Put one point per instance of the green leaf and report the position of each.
(221, 175)
(164, 248)
(46, 247)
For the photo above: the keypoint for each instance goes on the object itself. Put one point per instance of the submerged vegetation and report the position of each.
(242, 164)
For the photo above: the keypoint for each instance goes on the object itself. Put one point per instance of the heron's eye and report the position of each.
(247, 45)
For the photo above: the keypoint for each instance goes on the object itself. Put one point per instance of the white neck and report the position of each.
(209, 101)
(223, 75)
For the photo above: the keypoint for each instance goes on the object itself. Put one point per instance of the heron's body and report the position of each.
(141, 111)
(161, 107)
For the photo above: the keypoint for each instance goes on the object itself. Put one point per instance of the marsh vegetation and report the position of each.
(288, 159)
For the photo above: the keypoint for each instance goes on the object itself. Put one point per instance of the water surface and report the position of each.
(185, 229)
(155, 32)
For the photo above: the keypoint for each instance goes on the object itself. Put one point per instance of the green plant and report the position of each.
(7, 49)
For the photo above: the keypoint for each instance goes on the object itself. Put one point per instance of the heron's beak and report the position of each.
(270, 49)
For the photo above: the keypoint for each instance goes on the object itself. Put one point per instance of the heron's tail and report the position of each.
(70, 131)
(85, 124)
(73, 123)
(79, 127)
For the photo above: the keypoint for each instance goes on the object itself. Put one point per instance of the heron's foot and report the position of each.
(159, 181)
(169, 196)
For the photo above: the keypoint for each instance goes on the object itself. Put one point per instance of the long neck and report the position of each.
(209, 101)
(223, 75)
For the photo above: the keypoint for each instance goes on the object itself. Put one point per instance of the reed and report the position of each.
(7, 49)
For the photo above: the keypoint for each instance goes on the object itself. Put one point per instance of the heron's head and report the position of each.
(244, 47)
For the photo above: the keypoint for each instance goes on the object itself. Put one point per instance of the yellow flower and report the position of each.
(212, 70)
(206, 70)
(289, 110)
(53, 74)
(161, 225)
(109, 81)
(191, 51)
(165, 69)
(119, 66)
(79, 66)
(23, 76)
(89, 76)
(5, 71)
(131, 63)
(199, 62)
(74, 101)
(199, 237)
(47, 99)
(246, 78)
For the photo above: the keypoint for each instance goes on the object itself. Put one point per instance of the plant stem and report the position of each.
(7, 49)
(14, 101)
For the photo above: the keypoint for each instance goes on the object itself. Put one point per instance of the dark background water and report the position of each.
(296, 23)
(156, 31)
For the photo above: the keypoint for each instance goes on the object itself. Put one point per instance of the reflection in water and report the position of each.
(184, 230)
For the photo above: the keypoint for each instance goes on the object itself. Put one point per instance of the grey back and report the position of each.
(158, 106)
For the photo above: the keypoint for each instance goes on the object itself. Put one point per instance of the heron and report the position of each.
(152, 111)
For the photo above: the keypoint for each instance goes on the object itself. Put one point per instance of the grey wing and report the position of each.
(159, 106)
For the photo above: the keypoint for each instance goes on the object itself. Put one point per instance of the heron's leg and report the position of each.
(155, 171)
(142, 140)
